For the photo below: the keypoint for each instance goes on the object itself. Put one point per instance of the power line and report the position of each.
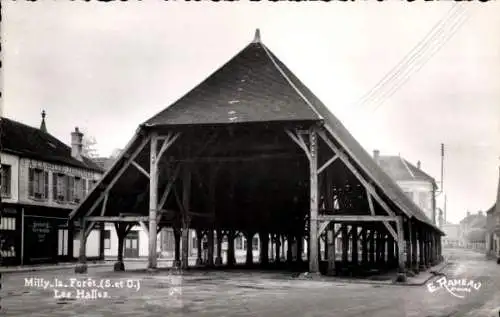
(437, 28)
(455, 27)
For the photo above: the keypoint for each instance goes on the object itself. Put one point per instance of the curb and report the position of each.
(49, 268)
(427, 280)
(371, 282)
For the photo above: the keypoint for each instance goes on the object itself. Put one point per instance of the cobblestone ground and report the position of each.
(248, 294)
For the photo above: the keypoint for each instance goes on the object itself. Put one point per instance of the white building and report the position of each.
(42, 180)
(418, 185)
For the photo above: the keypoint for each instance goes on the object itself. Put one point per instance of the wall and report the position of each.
(13, 161)
(24, 166)
(143, 241)
(92, 245)
(418, 189)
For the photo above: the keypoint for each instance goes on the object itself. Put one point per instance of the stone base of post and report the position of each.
(176, 264)
(218, 261)
(81, 268)
(199, 261)
(119, 266)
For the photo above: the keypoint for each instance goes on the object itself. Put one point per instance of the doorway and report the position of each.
(131, 245)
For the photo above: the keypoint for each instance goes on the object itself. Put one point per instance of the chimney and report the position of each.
(419, 164)
(376, 156)
(76, 144)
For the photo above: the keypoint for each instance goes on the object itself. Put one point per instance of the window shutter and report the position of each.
(46, 184)
(54, 186)
(31, 178)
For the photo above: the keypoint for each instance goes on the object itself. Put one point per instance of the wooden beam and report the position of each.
(198, 214)
(349, 165)
(300, 143)
(349, 218)
(119, 174)
(166, 144)
(370, 202)
(327, 163)
(142, 170)
(323, 226)
(168, 189)
(118, 218)
(144, 227)
(391, 230)
(103, 211)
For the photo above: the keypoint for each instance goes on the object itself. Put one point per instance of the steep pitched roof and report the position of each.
(402, 170)
(255, 86)
(25, 141)
(248, 88)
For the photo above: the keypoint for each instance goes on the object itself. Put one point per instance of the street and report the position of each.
(220, 293)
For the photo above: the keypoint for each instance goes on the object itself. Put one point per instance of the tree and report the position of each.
(89, 146)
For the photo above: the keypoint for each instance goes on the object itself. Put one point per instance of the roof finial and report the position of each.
(256, 39)
(43, 128)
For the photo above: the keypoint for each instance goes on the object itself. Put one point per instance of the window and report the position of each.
(62, 248)
(409, 194)
(8, 223)
(107, 239)
(38, 187)
(77, 189)
(5, 181)
(60, 187)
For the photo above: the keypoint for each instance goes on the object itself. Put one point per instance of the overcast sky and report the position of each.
(106, 67)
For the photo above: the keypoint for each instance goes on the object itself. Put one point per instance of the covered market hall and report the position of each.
(252, 151)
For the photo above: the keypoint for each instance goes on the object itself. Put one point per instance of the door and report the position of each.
(131, 245)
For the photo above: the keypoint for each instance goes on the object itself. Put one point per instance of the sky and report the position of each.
(107, 67)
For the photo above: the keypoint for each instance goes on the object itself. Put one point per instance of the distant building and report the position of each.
(42, 180)
(418, 185)
(493, 227)
(452, 237)
(473, 231)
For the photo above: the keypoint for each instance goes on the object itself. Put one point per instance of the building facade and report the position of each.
(452, 238)
(42, 180)
(493, 227)
(414, 182)
(473, 231)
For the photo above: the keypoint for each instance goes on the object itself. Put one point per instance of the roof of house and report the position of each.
(402, 170)
(255, 86)
(29, 142)
(104, 162)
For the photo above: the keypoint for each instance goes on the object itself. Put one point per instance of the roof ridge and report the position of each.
(290, 82)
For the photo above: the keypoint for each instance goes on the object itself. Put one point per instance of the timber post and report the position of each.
(331, 249)
(421, 249)
(153, 202)
(372, 245)
(289, 245)
(82, 258)
(186, 219)
(218, 258)
(210, 251)
(313, 216)
(401, 260)
(199, 237)
(264, 248)
(177, 252)
(409, 251)
(414, 256)
(354, 245)
(249, 257)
